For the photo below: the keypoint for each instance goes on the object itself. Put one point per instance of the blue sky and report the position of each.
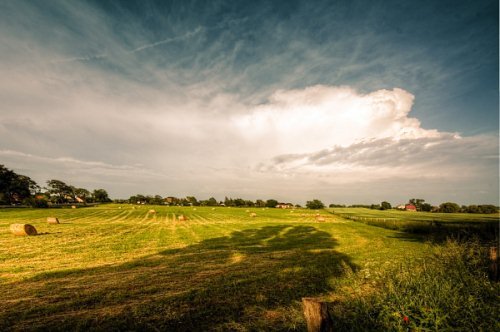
(239, 98)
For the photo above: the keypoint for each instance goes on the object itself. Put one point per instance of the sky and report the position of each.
(344, 101)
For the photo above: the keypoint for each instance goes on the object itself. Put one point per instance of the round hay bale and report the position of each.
(152, 211)
(73, 206)
(52, 220)
(22, 229)
(182, 218)
(320, 219)
(253, 214)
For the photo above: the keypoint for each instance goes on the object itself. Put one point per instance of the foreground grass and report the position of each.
(118, 268)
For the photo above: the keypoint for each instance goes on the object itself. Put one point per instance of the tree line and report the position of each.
(193, 201)
(422, 206)
(17, 189)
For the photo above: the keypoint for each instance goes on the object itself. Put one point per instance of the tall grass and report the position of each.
(447, 291)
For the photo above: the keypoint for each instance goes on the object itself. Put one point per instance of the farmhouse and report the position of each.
(410, 207)
(284, 206)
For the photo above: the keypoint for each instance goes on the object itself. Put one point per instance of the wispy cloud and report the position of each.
(169, 40)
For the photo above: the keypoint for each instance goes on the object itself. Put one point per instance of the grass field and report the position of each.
(115, 267)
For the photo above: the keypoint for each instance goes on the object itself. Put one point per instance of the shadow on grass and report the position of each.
(251, 280)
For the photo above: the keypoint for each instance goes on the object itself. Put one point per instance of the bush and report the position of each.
(449, 290)
(449, 207)
(36, 202)
(271, 203)
(385, 206)
(315, 204)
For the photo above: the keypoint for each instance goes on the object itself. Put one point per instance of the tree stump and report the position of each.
(493, 263)
(317, 317)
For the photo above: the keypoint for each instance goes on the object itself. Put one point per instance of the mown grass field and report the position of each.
(115, 267)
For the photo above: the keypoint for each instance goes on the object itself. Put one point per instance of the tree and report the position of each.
(385, 206)
(212, 202)
(60, 192)
(487, 208)
(101, 196)
(82, 193)
(14, 188)
(228, 201)
(426, 207)
(333, 205)
(449, 207)
(192, 200)
(239, 202)
(260, 203)
(315, 204)
(158, 200)
(418, 202)
(271, 203)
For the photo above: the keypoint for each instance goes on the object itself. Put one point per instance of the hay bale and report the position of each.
(253, 214)
(73, 206)
(320, 219)
(22, 229)
(152, 211)
(52, 220)
(182, 218)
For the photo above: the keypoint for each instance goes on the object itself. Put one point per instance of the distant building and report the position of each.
(401, 207)
(410, 207)
(170, 199)
(284, 206)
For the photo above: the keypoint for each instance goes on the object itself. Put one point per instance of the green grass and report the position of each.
(113, 267)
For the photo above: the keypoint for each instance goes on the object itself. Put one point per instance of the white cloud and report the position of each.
(321, 116)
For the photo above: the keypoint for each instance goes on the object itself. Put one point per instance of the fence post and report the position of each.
(317, 317)
(493, 263)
